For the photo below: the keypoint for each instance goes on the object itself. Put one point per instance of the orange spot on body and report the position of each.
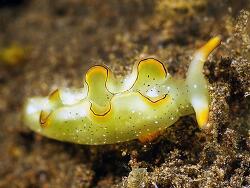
(156, 101)
(149, 137)
(55, 96)
(44, 119)
(152, 64)
(96, 71)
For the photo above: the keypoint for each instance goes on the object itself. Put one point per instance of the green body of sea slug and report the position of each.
(109, 110)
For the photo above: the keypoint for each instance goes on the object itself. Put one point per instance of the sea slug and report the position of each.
(109, 110)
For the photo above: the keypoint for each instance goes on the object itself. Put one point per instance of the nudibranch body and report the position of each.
(110, 110)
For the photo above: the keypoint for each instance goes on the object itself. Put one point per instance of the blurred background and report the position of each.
(49, 44)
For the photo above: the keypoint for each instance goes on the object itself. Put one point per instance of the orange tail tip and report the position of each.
(202, 118)
(210, 46)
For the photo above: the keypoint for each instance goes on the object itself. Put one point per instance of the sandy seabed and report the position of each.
(58, 41)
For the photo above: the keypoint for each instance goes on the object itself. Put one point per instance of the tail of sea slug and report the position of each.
(197, 84)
